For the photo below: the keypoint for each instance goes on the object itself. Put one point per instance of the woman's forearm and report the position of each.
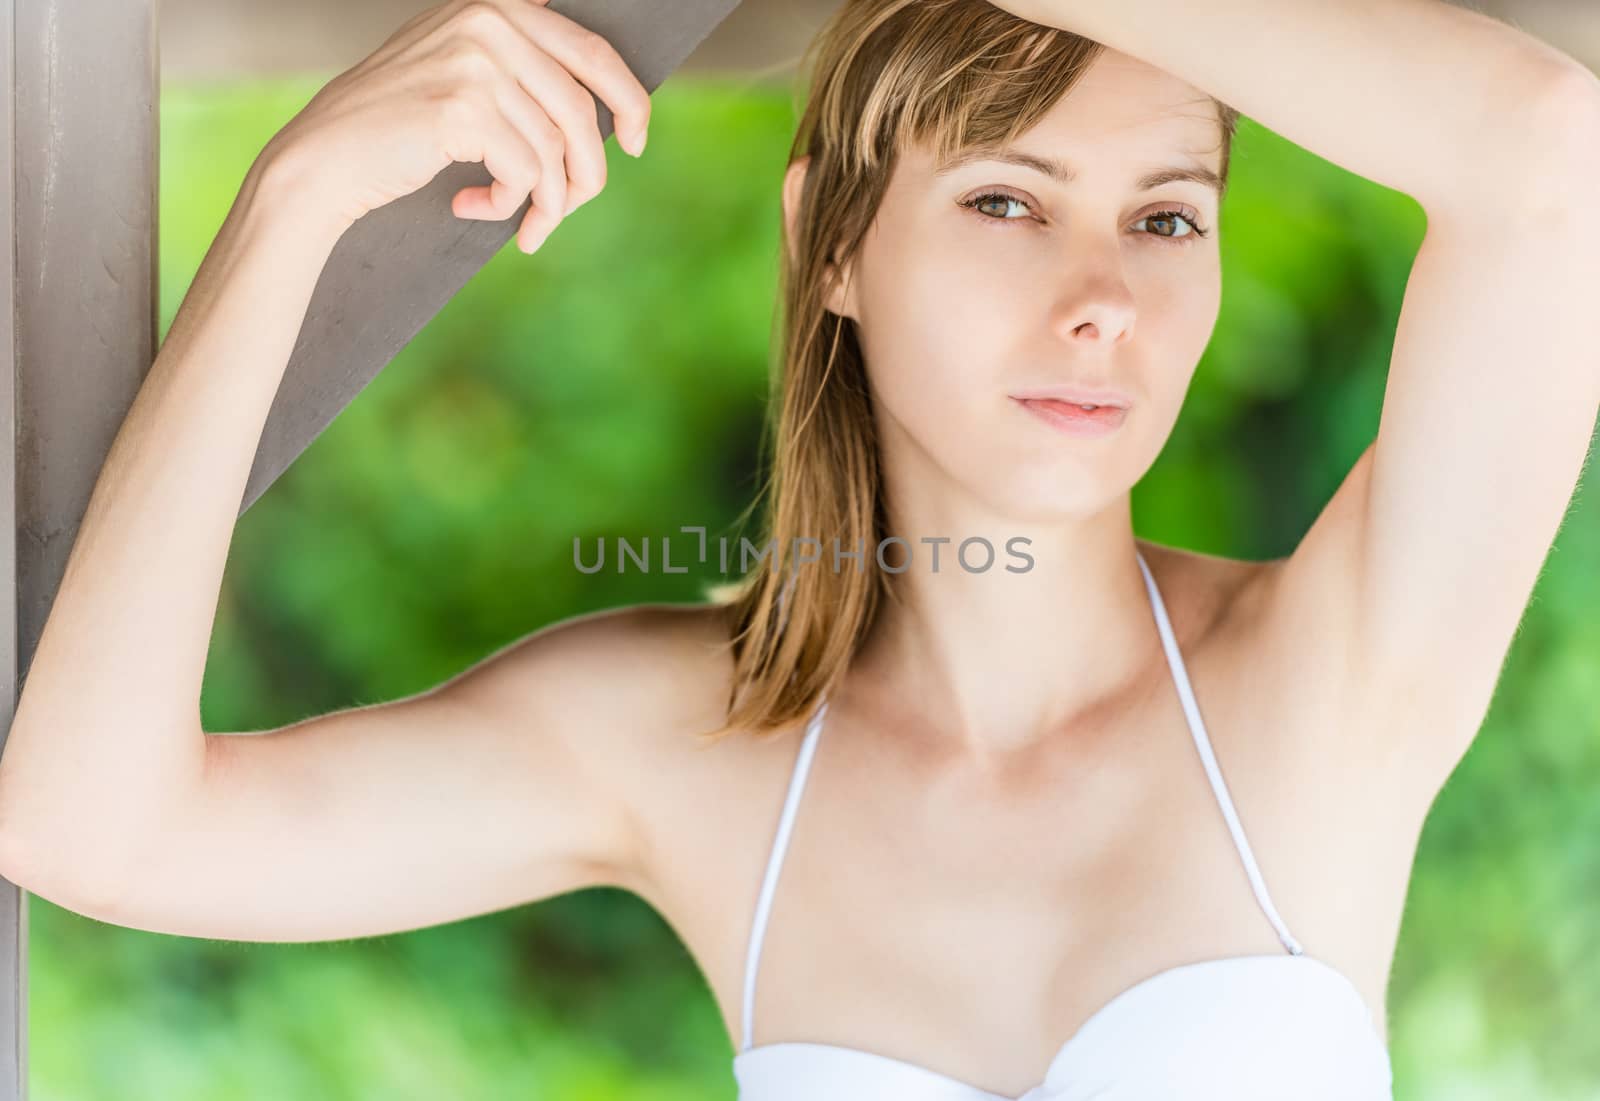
(1442, 103)
(109, 712)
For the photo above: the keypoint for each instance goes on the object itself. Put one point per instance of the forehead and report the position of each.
(1123, 109)
(1121, 95)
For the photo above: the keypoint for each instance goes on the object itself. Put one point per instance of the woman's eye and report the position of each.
(985, 205)
(1179, 225)
(1173, 225)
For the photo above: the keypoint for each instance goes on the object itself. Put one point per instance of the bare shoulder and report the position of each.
(1288, 636)
(1272, 630)
(1333, 821)
(663, 676)
(704, 811)
(1275, 621)
(1270, 642)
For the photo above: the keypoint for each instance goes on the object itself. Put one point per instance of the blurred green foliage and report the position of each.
(613, 385)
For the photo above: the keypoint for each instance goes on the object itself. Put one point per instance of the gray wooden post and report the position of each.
(81, 84)
(79, 202)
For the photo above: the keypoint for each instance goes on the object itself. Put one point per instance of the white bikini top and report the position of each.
(1240, 1028)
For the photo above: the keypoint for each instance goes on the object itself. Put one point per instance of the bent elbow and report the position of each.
(11, 859)
(57, 881)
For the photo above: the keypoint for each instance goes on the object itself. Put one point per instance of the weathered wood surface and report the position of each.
(221, 38)
(79, 200)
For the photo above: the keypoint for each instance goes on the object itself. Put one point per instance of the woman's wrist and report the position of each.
(280, 199)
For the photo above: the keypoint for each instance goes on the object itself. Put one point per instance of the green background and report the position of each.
(432, 523)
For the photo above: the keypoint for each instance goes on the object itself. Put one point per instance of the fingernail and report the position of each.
(636, 142)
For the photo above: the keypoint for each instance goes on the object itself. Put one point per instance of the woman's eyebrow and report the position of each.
(1063, 173)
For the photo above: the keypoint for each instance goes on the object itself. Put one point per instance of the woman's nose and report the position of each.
(1094, 304)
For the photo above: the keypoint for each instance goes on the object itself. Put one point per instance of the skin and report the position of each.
(959, 307)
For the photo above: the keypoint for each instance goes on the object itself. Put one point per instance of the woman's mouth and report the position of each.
(1073, 419)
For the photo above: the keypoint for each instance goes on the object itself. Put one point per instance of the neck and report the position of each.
(990, 661)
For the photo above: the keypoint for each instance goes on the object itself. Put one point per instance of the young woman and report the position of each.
(1024, 865)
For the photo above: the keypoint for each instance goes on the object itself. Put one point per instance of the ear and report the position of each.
(841, 297)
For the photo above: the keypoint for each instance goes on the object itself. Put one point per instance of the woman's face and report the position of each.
(992, 279)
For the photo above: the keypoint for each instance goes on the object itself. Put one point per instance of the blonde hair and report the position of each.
(884, 75)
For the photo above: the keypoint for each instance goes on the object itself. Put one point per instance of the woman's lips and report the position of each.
(1074, 419)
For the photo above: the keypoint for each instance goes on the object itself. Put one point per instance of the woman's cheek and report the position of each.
(1190, 304)
(927, 356)
(919, 395)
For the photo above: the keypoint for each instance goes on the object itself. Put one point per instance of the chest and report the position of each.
(971, 922)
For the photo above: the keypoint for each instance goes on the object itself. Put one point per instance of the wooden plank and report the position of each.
(79, 195)
(224, 39)
(208, 40)
(397, 267)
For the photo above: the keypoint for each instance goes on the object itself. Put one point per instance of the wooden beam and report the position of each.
(225, 39)
(397, 267)
(79, 196)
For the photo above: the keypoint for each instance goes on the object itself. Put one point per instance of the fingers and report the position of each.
(539, 86)
(549, 191)
(539, 124)
(552, 190)
(472, 128)
(523, 158)
(593, 60)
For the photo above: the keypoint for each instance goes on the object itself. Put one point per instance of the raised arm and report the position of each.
(1448, 105)
(105, 761)
(1420, 568)
(522, 778)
